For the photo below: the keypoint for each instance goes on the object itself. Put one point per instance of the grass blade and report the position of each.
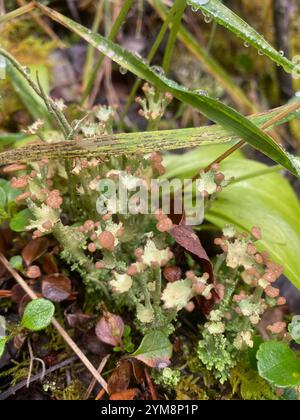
(118, 144)
(176, 21)
(30, 99)
(227, 18)
(234, 122)
(209, 64)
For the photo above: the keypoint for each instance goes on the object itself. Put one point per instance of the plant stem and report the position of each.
(113, 33)
(18, 12)
(150, 57)
(50, 104)
(158, 284)
(146, 293)
(89, 61)
(180, 6)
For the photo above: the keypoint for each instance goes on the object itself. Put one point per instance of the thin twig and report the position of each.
(93, 382)
(32, 359)
(56, 325)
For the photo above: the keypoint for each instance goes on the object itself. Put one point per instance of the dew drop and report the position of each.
(122, 70)
(208, 19)
(246, 45)
(281, 53)
(158, 70)
(201, 92)
(260, 52)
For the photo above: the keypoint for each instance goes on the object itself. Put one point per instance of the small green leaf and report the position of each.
(16, 262)
(278, 364)
(294, 328)
(3, 341)
(2, 198)
(38, 314)
(20, 221)
(155, 350)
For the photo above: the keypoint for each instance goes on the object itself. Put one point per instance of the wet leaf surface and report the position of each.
(56, 287)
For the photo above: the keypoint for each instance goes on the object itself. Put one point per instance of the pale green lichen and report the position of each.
(177, 294)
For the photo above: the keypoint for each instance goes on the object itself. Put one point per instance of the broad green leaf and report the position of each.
(155, 350)
(213, 109)
(278, 364)
(3, 341)
(38, 314)
(2, 198)
(253, 201)
(226, 17)
(20, 221)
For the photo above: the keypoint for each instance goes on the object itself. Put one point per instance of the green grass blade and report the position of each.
(114, 31)
(146, 142)
(227, 18)
(209, 64)
(213, 109)
(34, 104)
(176, 21)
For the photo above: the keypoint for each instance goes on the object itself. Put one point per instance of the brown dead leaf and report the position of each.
(49, 265)
(35, 249)
(56, 287)
(120, 378)
(129, 394)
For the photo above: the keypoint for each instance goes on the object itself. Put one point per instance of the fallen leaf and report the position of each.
(35, 249)
(56, 287)
(155, 350)
(120, 378)
(49, 264)
(110, 329)
(128, 394)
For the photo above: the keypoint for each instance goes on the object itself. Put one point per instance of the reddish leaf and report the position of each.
(110, 329)
(35, 249)
(49, 264)
(187, 239)
(56, 287)
(128, 394)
